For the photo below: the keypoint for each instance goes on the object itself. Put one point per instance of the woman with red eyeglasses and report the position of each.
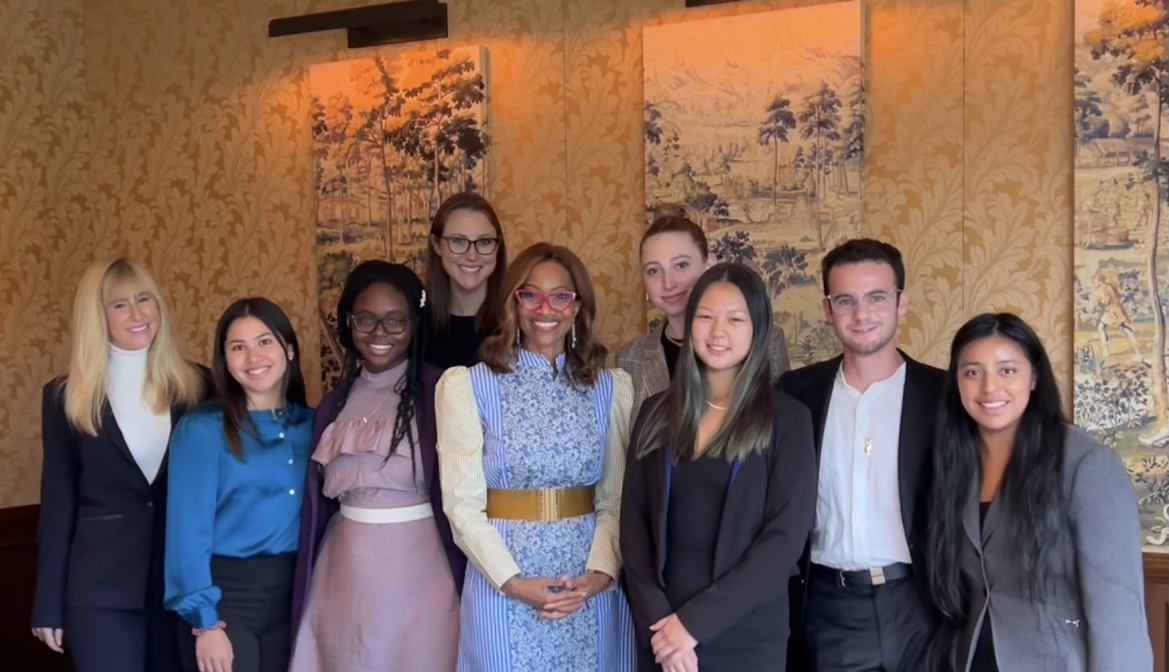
(531, 446)
(465, 263)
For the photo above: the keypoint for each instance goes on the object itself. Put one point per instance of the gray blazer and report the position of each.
(645, 362)
(1091, 618)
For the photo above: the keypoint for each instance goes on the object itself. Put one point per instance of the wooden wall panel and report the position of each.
(18, 556)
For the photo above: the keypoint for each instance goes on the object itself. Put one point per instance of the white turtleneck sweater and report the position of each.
(146, 432)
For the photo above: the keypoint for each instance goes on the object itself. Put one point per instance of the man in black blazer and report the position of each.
(865, 607)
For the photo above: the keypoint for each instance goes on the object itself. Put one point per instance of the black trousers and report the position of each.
(883, 628)
(121, 640)
(257, 608)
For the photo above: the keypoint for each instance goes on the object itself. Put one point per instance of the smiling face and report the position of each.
(380, 323)
(547, 314)
(257, 360)
(670, 265)
(995, 380)
(721, 331)
(132, 317)
(469, 269)
(866, 321)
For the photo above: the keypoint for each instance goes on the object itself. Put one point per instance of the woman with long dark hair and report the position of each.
(381, 579)
(531, 447)
(466, 260)
(720, 492)
(237, 471)
(105, 427)
(1034, 537)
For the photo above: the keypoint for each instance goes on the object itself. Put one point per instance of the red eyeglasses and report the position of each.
(532, 300)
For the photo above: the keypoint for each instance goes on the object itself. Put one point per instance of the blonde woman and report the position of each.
(106, 425)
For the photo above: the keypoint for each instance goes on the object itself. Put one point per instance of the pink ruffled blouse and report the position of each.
(353, 448)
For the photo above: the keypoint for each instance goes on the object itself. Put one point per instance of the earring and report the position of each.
(517, 335)
(573, 341)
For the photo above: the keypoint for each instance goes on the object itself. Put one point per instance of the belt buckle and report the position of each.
(877, 575)
(549, 505)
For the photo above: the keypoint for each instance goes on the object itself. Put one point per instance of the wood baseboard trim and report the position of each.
(1157, 567)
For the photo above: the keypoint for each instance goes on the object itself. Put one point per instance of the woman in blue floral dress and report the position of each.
(531, 446)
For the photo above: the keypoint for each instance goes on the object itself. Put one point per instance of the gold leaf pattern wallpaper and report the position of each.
(179, 132)
(43, 152)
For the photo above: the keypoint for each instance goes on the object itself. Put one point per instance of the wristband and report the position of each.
(198, 632)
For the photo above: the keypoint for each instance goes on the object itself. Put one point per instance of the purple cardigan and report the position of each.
(319, 509)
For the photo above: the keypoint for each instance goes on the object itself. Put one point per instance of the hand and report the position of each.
(581, 589)
(213, 651)
(536, 592)
(54, 638)
(670, 639)
(683, 662)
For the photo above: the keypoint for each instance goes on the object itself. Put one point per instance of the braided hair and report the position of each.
(400, 277)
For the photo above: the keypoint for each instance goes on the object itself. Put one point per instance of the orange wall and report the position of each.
(178, 132)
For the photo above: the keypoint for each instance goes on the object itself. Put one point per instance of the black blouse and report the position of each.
(458, 346)
(671, 350)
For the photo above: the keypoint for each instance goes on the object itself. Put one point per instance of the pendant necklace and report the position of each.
(365, 418)
(868, 435)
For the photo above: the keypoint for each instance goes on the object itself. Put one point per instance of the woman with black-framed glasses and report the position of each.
(465, 263)
(531, 449)
(377, 585)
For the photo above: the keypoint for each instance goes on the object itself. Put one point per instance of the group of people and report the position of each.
(480, 493)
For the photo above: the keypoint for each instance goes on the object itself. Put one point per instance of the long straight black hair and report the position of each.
(231, 393)
(747, 429)
(409, 388)
(1031, 494)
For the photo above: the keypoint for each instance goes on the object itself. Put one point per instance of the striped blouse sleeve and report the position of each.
(605, 555)
(464, 486)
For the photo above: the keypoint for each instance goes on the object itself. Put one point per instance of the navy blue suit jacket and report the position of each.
(101, 533)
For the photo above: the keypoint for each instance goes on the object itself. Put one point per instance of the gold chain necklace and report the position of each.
(365, 418)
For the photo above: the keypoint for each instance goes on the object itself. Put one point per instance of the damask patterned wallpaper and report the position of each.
(179, 132)
(44, 242)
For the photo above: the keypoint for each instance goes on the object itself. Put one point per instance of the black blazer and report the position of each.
(765, 524)
(919, 408)
(102, 525)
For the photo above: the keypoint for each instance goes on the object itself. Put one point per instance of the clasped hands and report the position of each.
(673, 645)
(556, 598)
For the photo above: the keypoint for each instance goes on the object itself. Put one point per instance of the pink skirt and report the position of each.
(382, 599)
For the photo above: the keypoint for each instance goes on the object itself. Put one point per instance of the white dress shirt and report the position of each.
(146, 432)
(858, 505)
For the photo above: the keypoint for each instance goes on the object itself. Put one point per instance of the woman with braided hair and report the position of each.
(377, 585)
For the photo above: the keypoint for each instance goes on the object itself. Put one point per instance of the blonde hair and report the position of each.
(170, 379)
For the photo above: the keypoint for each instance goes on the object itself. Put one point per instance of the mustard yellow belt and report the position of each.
(545, 505)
